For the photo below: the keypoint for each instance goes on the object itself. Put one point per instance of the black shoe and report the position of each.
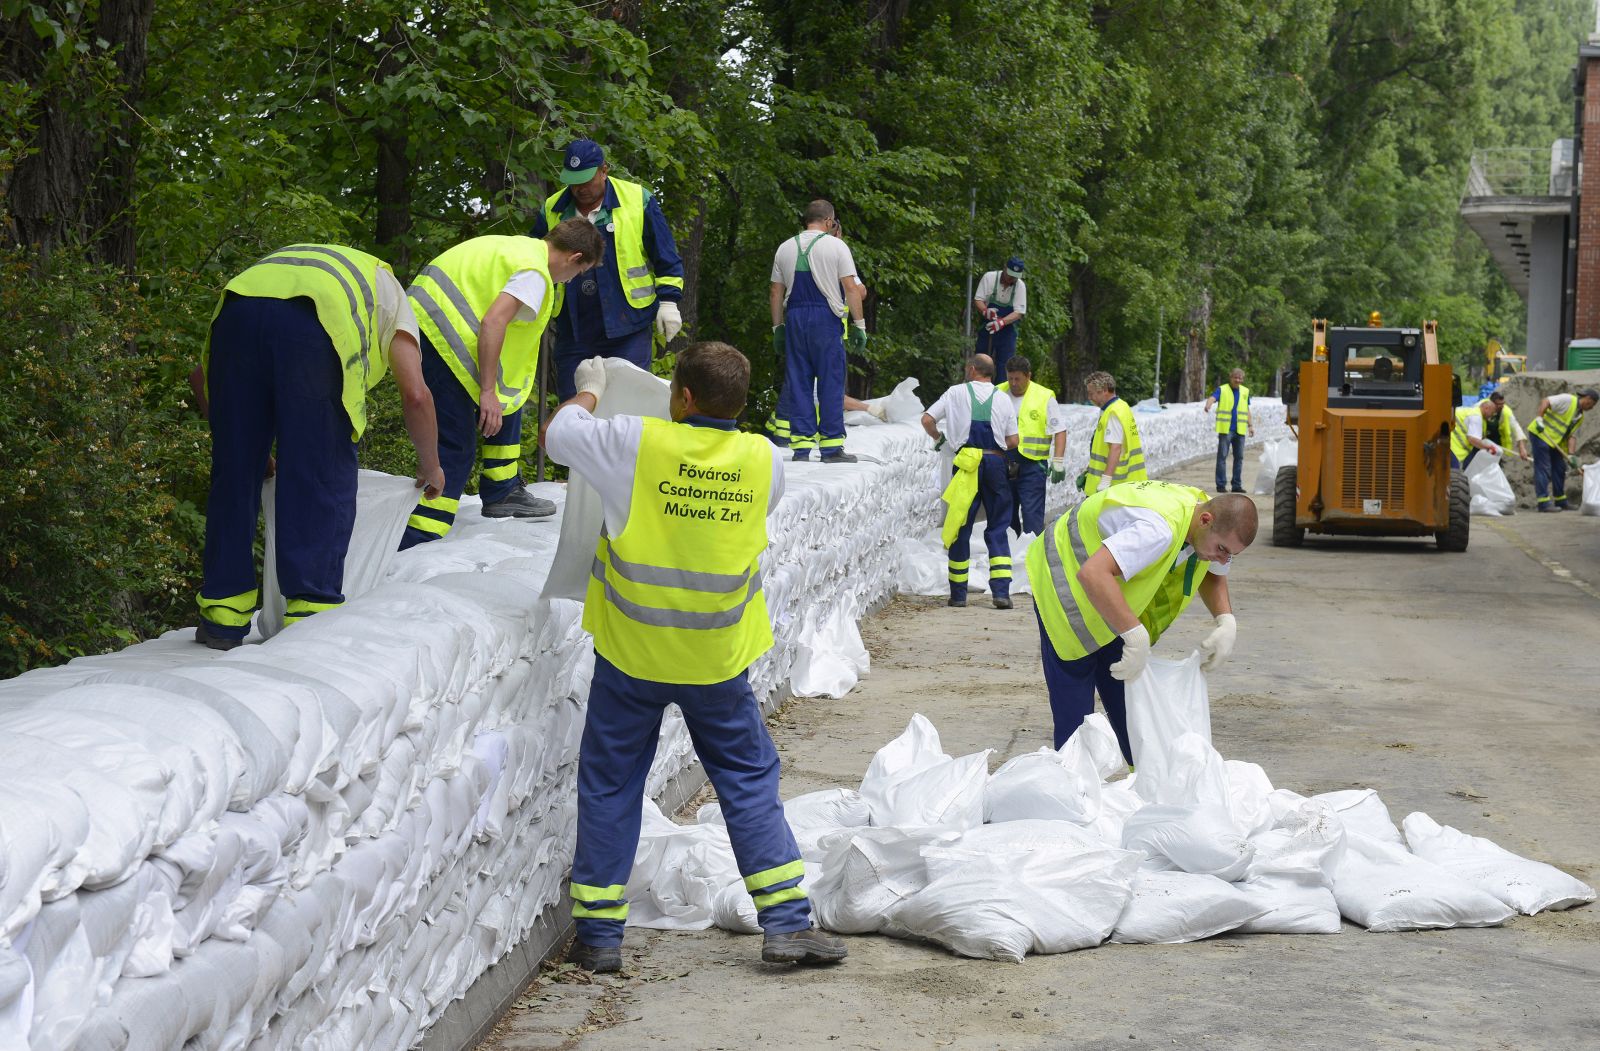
(959, 603)
(206, 637)
(596, 959)
(520, 504)
(1002, 603)
(1238, 489)
(1222, 488)
(840, 458)
(803, 947)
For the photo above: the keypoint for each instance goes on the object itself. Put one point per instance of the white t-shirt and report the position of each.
(1475, 424)
(1113, 431)
(606, 452)
(989, 288)
(954, 411)
(528, 288)
(1137, 536)
(830, 261)
(1560, 403)
(394, 313)
(1054, 417)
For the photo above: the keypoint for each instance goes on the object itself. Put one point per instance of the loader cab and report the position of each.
(1374, 368)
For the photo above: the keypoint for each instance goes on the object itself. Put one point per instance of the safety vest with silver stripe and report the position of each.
(676, 597)
(1233, 409)
(1033, 422)
(1130, 467)
(634, 271)
(342, 283)
(1076, 629)
(1497, 430)
(1553, 427)
(453, 293)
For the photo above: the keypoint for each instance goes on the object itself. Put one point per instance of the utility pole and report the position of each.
(1161, 322)
(972, 222)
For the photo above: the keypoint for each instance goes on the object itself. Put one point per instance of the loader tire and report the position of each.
(1457, 530)
(1284, 532)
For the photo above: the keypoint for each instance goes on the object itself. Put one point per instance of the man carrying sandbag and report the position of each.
(983, 426)
(1114, 573)
(678, 616)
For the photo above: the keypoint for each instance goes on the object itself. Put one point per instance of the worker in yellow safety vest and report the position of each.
(1042, 441)
(677, 613)
(1234, 424)
(296, 342)
(1110, 576)
(1555, 444)
(1473, 429)
(1115, 452)
(483, 306)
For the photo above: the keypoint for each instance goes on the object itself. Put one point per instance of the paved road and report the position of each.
(1462, 685)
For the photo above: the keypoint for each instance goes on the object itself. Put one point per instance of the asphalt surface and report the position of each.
(1463, 685)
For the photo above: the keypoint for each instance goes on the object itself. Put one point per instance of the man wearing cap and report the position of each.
(1002, 299)
(1555, 444)
(631, 298)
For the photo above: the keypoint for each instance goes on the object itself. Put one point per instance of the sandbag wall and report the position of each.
(322, 840)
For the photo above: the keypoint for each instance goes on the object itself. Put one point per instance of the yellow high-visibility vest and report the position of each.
(1033, 422)
(1162, 589)
(1233, 410)
(453, 293)
(677, 597)
(634, 269)
(1553, 427)
(343, 283)
(1130, 468)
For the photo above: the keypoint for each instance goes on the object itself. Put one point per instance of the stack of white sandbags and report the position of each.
(1046, 855)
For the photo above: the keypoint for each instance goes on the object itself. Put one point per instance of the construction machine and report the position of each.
(1374, 409)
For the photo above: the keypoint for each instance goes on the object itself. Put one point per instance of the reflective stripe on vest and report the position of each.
(1033, 422)
(1460, 443)
(699, 500)
(634, 272)
(1233, 410)
(452, 294)
(1076, 629)
(1130, 468)
(1553, 427)
(342, 283)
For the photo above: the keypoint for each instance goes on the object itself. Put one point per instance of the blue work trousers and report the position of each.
(275, 376)
(1234, 442)
(620, 733)
(1549, 474)
(1072, 685)
(814, 360)
(994, 493)
(635, 347)
(1027, 493)
(998, 345)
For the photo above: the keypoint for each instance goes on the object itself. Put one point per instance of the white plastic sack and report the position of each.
(1043, 784)
(900, 405)
(1525, 885)
(1363, 812)
(1168, 701)
(1291, 874)
(1491, 493)
(811, 817)
(830, 657)
(866, 872)
(677, 873)
(1591, 489)
(1384, 888)
(1172, 907)
(911, 782)
(383, 503)
(1200, 839)
(1275, 454)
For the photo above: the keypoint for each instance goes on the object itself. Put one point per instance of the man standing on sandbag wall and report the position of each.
(1039, 417)
(1232, 400)
(483, 307)
(1114, 573)
(1115, 451)
(1002, 300)
(629, 304)
(677, 613)
(979, 420)
(1555, 444)
(296, 342)
(813, 288)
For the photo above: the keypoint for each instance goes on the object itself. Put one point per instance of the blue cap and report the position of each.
(583, 159)
(1014, 266)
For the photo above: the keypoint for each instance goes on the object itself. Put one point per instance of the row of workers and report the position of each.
(1551, 441)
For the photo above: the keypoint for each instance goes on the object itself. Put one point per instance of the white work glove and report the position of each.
(1218, 645)
(590, 377)
(1135, 654)
(668, 321)
(880, 410)
(994, 325)
(990, 313)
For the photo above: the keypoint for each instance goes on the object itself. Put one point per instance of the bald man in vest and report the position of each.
(1111, 575)
(677, 613)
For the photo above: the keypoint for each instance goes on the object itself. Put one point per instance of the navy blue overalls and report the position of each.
(994, 492)
(1000, 345)
(814, 349)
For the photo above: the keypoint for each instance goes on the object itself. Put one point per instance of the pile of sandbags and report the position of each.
(1047, 855)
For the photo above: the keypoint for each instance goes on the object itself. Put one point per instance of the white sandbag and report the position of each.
(1001, 907)
(383, 503)
(1384, 888)
(1172, 907)
(811, 817)
(1491, 493)
(1168, 701)
(734, 910)
(1526, 885)
(1363, 813)
(830, 657)
(1249, 797)
(866, 872)
(1014, 837)
(900, 405)
(677, 872)
(16, 999)
(1290, 877)
(1196, 838)
(911, 781)
(1591, 489)
(1275, 455)
(630, 391)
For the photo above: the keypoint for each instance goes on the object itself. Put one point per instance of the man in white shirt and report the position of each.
(813, 288)
(1042, 428)
(1002, 300)
(977, 417)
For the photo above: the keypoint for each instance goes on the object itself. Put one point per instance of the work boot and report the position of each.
(1002, 602)
(840, 458)
(519, 504)
(1238, 488)
(211, 640)
(802, 454)
(596, 959)
(959, 603)
(808, 947)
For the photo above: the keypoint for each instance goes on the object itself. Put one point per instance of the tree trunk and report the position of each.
(1078, 353)
(1193, 386)
(392, 188)
(126, 24)
(692, 249)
